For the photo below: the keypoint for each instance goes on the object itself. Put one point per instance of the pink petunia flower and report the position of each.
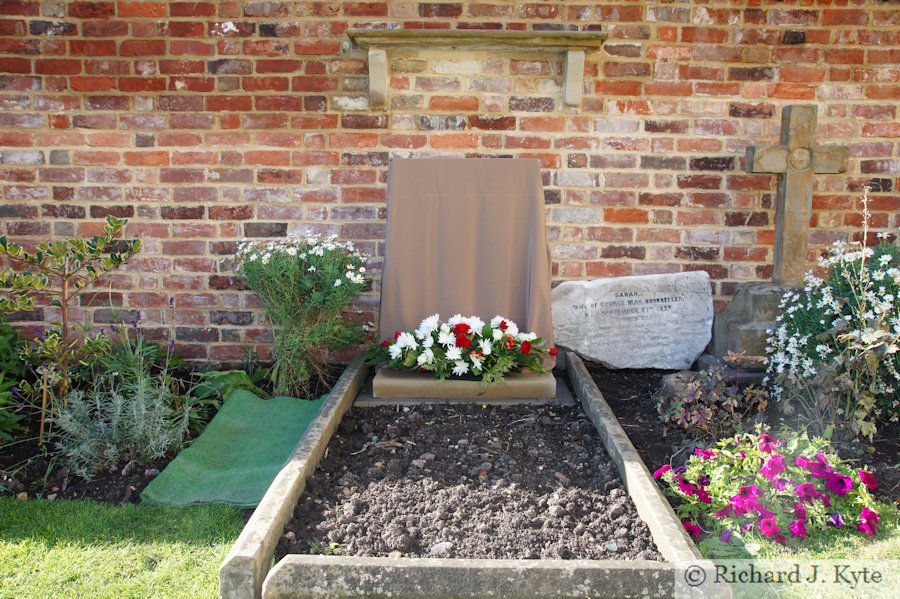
(686, 487)
(798, 528)
(807, 492)
(869, 521)
(868, 479)
(703, 496)
(773, 467)
(766, 443)
(800, 511)
(768, 527)
(660, 471)
(706, 454)
(838, 484)
(818, 467)
(693, 529)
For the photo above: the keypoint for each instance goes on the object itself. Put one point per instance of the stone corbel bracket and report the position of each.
(575, 44)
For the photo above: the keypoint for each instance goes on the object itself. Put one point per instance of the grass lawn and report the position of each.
(86, 549)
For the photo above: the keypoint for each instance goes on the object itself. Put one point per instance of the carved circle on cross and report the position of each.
(800, 159)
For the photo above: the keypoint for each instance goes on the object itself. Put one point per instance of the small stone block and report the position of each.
(401, 384)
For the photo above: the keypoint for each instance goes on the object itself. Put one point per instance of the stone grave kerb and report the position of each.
(797, 159)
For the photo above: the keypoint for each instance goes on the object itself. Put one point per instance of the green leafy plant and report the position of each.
(61, 271)
(305, 287)
(835, 351)
(710, 406)
(212, 389)
(9, 418)
(786, 490)
(12, 371)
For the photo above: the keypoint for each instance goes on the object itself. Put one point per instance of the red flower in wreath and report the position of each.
(463, 341)
(462, 329)
(526, 348)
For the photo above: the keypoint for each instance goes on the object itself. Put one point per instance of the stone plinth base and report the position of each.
(742, 327)
(402, 384)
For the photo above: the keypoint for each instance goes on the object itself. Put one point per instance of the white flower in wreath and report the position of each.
(407, 340)
(460, 368)
(428, 325)
(428, 341)
(445, 337)
(454, 354)
(395, 351)
(485, 345)
(497, 334)
(426, 357)
(477, 362)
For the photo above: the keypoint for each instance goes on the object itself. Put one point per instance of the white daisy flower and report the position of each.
(454, 353)
(485, 345)
(460, 368)
(338, 282)
(476, 362)
(429, 325)
(395, 351)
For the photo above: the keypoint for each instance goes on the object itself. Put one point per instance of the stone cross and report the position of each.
(796, 159)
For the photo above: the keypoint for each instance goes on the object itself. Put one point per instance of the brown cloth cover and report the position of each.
(466, 236)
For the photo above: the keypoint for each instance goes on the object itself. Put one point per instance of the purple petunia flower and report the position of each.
(766, 443)
(868, 479)
(724, 512)
(838, 484)
(869, 524)
(836, 520)
(725, 537)
(661, 470)
(773, 467)
(703, 481)
(747, 527)
(781, 483)
(680, 470)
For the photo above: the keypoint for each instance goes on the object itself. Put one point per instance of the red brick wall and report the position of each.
(205, 122)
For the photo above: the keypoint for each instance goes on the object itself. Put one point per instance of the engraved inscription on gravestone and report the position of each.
(651, 321)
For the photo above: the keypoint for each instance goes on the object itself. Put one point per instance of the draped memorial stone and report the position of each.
(465, 236)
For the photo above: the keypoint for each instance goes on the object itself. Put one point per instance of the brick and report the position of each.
(92, 10)
(625, 215)
(142, 9)
(230, 212)
(751, 73)
(229, 103)
(61, 66)
(712, 163)
(744, 110)
(492, 123)
(531, 104)
(182, 212)
(746, 219)
(136, 47)
(231, 317)
(453, 103)
(256, 229)
(365, 9)
(52, 28)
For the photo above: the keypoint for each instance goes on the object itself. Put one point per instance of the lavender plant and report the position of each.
(834, 352)
(305, 287)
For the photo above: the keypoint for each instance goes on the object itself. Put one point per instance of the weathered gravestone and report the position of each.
(798, 158)
(647, 321)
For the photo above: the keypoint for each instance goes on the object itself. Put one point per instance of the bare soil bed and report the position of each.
(467, 481)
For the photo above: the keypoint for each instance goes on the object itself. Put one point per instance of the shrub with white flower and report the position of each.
(304, 285)
(464, 346)
(834, 350)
